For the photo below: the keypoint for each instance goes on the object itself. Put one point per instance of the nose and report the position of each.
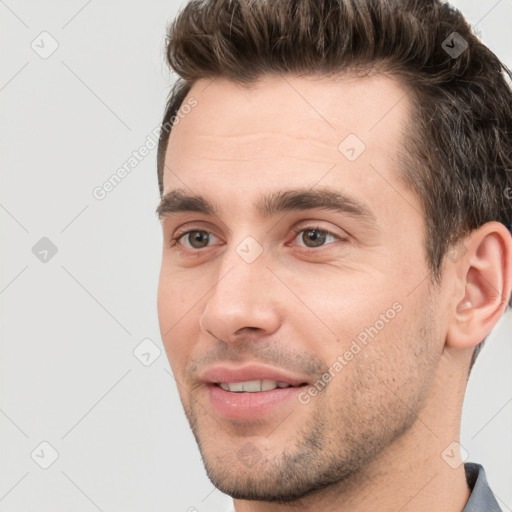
(242, 302)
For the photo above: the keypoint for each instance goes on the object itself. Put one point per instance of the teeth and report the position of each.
(268, 385)
(253, 386)
(237, 387)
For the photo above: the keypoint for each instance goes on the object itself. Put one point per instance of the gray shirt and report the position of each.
(482, 499)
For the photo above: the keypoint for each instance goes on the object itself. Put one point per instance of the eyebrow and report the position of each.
(178, 201)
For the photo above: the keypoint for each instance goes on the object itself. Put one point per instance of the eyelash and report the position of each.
(175, 240)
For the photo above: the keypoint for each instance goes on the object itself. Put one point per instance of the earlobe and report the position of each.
(486, 270)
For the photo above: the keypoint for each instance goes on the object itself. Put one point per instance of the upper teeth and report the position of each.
(253, 386)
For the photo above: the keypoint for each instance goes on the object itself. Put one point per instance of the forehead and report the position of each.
(287, 129)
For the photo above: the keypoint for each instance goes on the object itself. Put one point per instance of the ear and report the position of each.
(484, 276)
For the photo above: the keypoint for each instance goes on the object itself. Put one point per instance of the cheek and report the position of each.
(345, 304)
(165, 305)
(387, 368)
(177, 294)
(175, 306)
(366, 324)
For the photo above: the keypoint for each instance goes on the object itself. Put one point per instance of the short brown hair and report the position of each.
(457, 155)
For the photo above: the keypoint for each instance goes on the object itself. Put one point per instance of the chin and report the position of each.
(286, 478)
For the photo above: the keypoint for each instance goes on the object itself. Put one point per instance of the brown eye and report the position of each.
(315, 237)
(196, 239)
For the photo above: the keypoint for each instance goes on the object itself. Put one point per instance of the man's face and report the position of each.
(304, 339)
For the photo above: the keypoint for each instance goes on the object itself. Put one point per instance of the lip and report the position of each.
(232, 405)
(229, 374)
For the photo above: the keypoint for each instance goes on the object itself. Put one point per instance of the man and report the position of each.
(336, 220)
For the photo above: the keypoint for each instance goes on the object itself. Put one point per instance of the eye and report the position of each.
(310, 236)
(313, 236)
(194, 238)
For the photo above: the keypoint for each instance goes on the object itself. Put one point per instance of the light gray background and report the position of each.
(68, 375)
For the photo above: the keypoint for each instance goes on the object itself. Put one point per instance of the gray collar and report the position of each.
(482, 499)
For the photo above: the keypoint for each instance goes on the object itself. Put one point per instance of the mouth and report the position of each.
(251, 391)
(253, 386)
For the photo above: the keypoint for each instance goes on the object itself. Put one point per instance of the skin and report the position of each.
(374, 437)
